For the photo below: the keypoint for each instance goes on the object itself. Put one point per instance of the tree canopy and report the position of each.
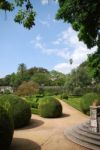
(25, 12)
(94, 64)
(84, 16)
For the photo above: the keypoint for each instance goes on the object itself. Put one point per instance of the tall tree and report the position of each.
(84, 16)
(57, 78)
(94, 64)
(41, 78)
(22, 70)
(25, 12)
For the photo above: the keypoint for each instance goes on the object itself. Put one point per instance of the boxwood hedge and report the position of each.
(21, 110)
(49, 107)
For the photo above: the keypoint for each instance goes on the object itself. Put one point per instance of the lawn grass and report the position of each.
(74, 102)
(35, 111)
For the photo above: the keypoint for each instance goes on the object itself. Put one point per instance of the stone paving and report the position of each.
(48, 134)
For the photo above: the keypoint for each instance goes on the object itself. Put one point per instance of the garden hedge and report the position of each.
(6, 128)
(87, 101)
(21, 110)
(49, 107)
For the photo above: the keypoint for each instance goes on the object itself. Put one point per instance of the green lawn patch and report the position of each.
(35, 111)
(74, 102)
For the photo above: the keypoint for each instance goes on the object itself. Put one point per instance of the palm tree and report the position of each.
(22, 70)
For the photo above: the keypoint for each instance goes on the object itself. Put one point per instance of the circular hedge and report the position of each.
(21, 110)
(6, 129)
(87, 101)
(50, 108)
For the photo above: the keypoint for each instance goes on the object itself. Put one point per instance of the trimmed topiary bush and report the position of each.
(50, 108)
(21, 110)
(6, 129)
(87, 101)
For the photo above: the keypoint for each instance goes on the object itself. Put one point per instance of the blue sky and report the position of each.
(49, 44)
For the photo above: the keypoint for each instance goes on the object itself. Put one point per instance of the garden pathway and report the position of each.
(47, 134)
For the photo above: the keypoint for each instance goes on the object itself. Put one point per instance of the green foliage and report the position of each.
(98, 88)
(6, 5)
(78, 91)
(25, 12)
(94, 64)
(22, 70)
(35, 111)
(20, 110)
(64, 96)
(6, 128)
(49, 107)
(74, 101)
(33, 101)
(52, 90)
(87, 101)
(41, 78)
(84, 17)
(57, 78)
(79, 80)
(27, 88)
(35, 70)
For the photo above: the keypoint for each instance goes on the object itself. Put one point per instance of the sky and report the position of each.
(49, 44)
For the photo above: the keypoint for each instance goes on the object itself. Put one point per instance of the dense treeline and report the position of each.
(33, 80)
(37, 74)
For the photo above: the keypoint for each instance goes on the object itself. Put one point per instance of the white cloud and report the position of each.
(44, 2)
(45, 23)
(38, 43)
(71, 48)
(48, 21)
(77, 50)
(64, 67)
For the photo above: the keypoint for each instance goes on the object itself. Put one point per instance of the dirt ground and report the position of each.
(48, 134)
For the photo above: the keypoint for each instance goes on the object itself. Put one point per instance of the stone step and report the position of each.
(84, 138)
(79, 141)
(87, 134)
(85, 128)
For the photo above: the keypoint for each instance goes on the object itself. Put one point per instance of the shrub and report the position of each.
(87, 101)
(27, 88)
(98, 88)
(6, 129)
(50, 108)
(20, 108)
(64, 96)
(78, 91)
(52, 90)
(33, 101)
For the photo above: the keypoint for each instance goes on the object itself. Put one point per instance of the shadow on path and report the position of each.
(65, 115)
(33, 124)
(24, 144)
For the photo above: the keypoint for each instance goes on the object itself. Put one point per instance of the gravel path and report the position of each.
(47, 134)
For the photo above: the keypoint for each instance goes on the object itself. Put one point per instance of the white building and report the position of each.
(3, 89)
